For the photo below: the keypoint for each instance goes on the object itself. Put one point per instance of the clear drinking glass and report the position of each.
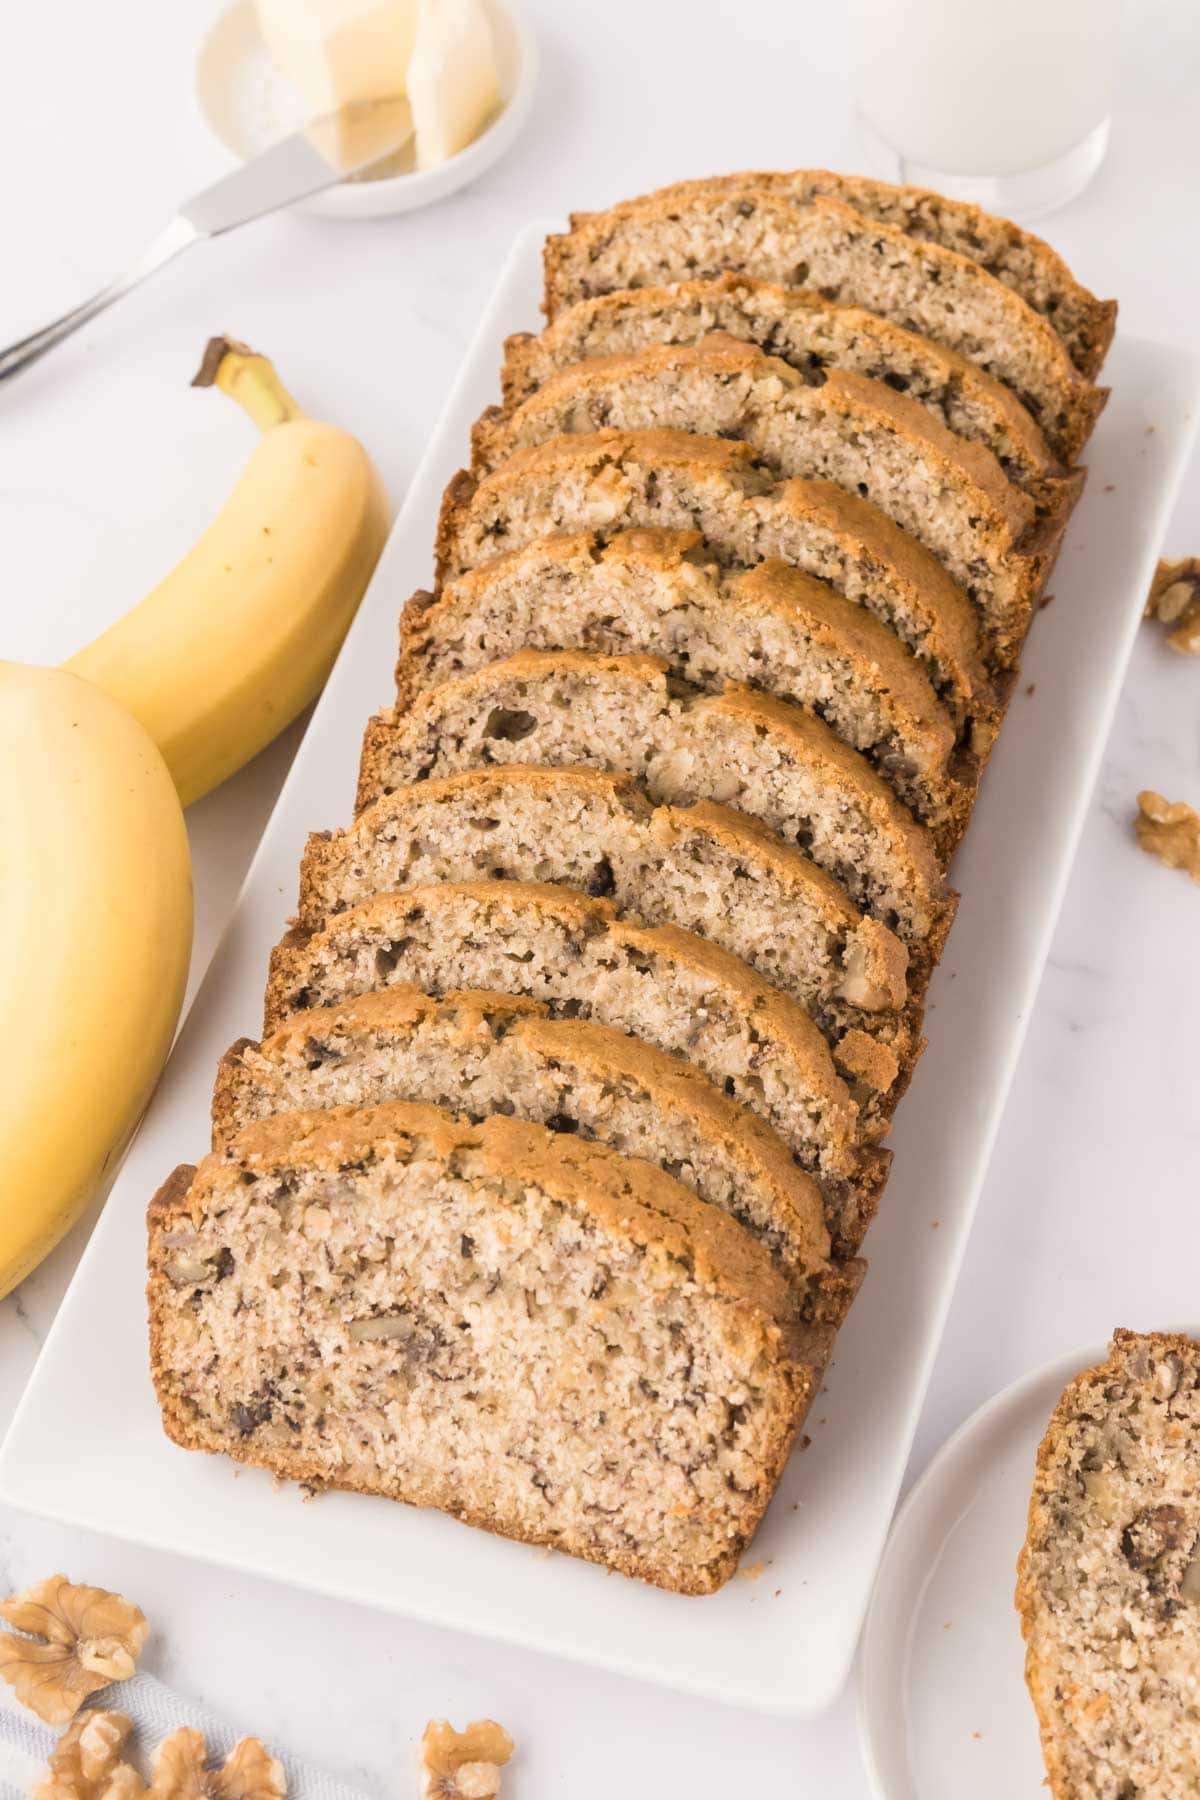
(1002, 102)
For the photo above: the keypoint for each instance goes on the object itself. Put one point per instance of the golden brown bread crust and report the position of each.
(789, 1200)
(486, 787)
(625, 465)
(824, 241)
(1015, 256)
(763, 311)
(615, 597)
(630, 1200)
(775, 1017)
(869, 405)
(390, 741)
(875, 1036)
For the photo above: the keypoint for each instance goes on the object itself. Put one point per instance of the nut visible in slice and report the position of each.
(463, 1765)
(91, 1638)
(1175, 599)
(249, 1772)
(86, 1762)
(1170, 830)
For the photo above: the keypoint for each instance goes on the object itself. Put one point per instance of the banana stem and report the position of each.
(249, 379)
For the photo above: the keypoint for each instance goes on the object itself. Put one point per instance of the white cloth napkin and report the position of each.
(25, 1743)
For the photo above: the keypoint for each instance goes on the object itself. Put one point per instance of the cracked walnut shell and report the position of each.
(178, 1770)
(1175, 599)
(86, 1763)
(1170, 830)
(91, 1638)
(463, 1765)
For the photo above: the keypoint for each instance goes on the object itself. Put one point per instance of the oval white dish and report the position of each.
(248, 105)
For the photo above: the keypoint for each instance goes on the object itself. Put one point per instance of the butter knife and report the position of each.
(326, 151)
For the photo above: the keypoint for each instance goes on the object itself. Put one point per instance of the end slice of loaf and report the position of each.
(743, 749)
(576, 956)
(481, 1053)
(609, 481)
(531, 1332)
(813, 335)
(828, 245)
(1108, 1584)
(952, 497)
(1018, 258)
(706, 868)
(664, 592)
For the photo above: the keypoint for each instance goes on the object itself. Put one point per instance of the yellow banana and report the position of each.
(240, 636)
(95, 936)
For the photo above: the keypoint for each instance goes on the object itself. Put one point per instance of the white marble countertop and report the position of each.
(109, 466)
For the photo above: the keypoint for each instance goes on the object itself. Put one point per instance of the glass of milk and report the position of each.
(1001, 102)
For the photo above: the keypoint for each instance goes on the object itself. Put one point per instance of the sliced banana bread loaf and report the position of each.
(1108, 1583)
(811, 334)
(577, 956)
(480, 1053)
(609, 481)
(1014, 256)
(951, 496)
(663, 591)
(529, 1331)
(744, 749)
(829, 246)
(712, 871)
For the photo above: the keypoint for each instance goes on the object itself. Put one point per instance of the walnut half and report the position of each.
(1170, 830)
(179, 1770)
(1175, 599)
(463, 1765)
(86, 1763)
(91, 1638)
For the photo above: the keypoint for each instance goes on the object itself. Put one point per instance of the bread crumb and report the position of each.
(752, 1571)
(1031, 689)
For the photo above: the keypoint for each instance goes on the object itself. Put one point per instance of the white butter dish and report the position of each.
(248, 105)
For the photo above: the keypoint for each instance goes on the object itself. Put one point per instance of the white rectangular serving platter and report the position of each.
(86, 1447)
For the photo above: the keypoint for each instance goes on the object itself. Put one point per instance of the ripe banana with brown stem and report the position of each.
(240, 636)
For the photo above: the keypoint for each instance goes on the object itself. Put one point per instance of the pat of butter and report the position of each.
(339, 52)
(452, 85)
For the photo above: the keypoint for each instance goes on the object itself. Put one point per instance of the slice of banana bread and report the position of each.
(608, 481)
(663, 591)
(1108, 1584)
(744, 749)
(1014, 256)
(813, 335)
(528, 1331)
(950, 496)
(481, 1053)
(578, 957)
(829, 246)
(710, 870)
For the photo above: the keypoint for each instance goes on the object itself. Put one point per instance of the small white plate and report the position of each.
(944, 1711)
(87, 1446)
(248, 104)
